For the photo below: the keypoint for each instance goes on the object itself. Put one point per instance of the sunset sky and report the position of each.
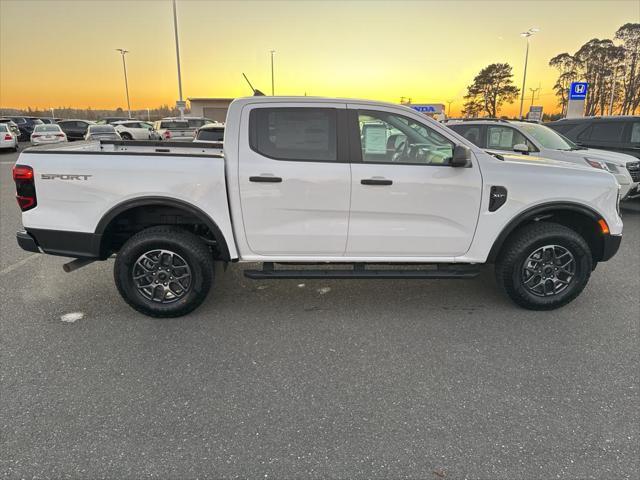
(62, 53)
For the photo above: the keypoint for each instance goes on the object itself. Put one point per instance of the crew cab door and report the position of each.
(406, 200)
(295, 179)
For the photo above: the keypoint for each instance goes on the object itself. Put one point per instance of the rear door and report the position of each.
(294, 179)
(406, 201)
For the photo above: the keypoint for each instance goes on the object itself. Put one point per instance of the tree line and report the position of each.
(611, 69)
(95, 114)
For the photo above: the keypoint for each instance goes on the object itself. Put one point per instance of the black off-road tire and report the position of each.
(510, 264)
(188, 247)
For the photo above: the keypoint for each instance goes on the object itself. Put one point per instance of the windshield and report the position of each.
(547, 137)
(102, 129)
(211, 134)
(47, 128)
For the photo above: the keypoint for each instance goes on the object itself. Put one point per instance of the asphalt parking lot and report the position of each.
(315, 379)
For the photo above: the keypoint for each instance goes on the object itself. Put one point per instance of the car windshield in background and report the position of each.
(102, 129)
(175, 125)
(196, 122)
(211, 134)
(47, 128)
(547, 137)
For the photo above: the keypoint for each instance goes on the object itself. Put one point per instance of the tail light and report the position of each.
(8, 137)
(25, 187)
(167, 134)
(35, 136)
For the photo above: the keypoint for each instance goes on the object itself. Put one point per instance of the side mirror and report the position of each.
(461, 157)
(521, 148)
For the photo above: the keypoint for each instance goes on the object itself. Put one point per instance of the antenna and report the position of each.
(256, 92)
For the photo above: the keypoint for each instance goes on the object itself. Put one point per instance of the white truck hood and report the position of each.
(520, 158)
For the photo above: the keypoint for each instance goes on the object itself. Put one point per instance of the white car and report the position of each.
(102, 132)
(302, 185)
(8, 139)
(174, 129)
(506, 136)
(47, 133)
(134, 130)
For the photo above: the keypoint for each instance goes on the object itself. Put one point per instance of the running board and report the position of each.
(359, 270)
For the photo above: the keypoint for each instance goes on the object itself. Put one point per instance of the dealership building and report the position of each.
(211, 108)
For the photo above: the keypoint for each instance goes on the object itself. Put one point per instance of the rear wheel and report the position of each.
(544, 266)
(164, 271)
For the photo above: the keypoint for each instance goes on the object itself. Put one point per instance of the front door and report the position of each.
(295, 180)
(406, 200)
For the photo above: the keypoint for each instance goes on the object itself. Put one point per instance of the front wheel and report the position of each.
(164, 271)
(544, 266)
(126, 136)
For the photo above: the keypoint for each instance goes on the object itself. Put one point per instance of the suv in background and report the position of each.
(26, 126)
(174, 129)
(75, 129)
(211, 132)
(134, 130)
(504, 136)
(616, 134)
(12, 126)
(110, 120)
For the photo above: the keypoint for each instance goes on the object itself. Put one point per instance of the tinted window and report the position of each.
(294, 133)
(101, 129)
(635, 132)
(174, 125)
(470, 132)
(18, 120)
(504, 138)
(196, 122)
(46, 128)
(564, 128)
(211, 134)
(604, 132)
(391, 138)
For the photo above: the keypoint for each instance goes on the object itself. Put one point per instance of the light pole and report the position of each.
(449, 102)
(53, 115)
(175, 29)
(526, 35)
(273, 90)
(126, 83)
(533, 94)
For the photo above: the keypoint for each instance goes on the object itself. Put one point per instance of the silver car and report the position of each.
(102, 132)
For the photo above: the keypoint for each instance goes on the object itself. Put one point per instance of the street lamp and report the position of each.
(126, 83)
(527, 34)
(272, 81)
(175, 30)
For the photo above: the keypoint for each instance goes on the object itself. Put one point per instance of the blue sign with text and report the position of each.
(578, 90)
(424, 108)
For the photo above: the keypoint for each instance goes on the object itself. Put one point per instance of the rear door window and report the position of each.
(307, 134)
(473, 133)
(635, 132)
(603, 132)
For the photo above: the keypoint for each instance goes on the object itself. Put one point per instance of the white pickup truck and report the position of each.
(318, 188)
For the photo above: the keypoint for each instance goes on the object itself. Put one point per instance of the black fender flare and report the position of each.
(120, 208)
(538, 212)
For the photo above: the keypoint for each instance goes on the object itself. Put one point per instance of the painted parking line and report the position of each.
(16, 265)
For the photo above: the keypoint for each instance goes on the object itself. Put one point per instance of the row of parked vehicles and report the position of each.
(41, 131)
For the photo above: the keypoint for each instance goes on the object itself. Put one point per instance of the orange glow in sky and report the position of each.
(62, 53)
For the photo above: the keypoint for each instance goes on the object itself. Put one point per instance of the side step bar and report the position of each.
(359, 270)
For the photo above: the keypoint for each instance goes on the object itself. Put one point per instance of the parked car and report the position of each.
(12, 126)
(174, 129)
(300, 184)
(102, 132)
(75, 129)
(43, 134)
(500, 136)
(110, 120)
(211, 132)
(8, 139)
(617, 134)
(134, 130)
(49, 120)
(25, 125)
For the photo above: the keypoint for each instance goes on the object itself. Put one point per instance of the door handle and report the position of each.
(265, 179)
(376, 181)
